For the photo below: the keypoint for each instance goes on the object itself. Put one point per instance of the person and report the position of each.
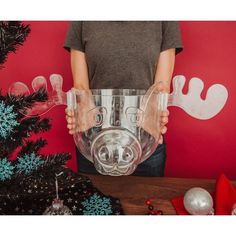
(124, 55)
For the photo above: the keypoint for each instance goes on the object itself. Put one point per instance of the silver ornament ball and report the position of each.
(57, 208)
(233, 212)
(197, 201)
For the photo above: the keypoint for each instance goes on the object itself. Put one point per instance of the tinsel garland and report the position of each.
(12, 35)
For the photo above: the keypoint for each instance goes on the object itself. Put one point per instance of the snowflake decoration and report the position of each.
(96, 205)
(28, 163)
(6, 169)
(7, 120)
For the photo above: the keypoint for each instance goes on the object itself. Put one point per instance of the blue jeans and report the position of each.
(153, 166)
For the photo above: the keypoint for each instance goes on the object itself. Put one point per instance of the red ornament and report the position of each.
(151, 209)
(152, 212)
(148, 202)
(159, 212)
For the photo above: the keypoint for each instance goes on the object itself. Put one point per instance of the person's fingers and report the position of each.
(163, 129)
(164, 120)
(71, 126)
(163, 125)
(164, 117)
(160, 140)
(69, 112)
(72, 131)
(165, 113)
(70, 120)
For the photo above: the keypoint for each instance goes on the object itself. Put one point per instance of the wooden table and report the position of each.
(133, 191)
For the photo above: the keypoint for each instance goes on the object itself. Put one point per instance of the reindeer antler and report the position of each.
(192, 103)
(56, 96)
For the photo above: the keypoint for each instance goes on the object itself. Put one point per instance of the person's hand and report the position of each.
(163, 122)
(151, 121)
(163, 86)
(70, 118)
(84, 117)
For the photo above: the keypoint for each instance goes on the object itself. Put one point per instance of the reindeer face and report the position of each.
(115, 133)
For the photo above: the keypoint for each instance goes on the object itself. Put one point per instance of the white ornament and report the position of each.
(57, 207)
(233, 212)
(197, 201)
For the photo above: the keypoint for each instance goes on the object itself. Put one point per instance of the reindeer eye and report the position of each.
(133, 115)
(104, 154)
(127, 155)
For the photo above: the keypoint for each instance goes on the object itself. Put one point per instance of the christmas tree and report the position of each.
(15, 133)
(12, 35)
(16, 128)
(27, 178)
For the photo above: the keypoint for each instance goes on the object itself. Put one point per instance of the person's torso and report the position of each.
(121, 54)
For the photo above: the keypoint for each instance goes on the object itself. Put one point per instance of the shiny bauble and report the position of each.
(197, 201)
(57, 208)
(233, 212)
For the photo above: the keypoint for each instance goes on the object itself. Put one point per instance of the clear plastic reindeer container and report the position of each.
(117, 129)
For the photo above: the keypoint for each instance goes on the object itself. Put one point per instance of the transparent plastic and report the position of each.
(192, 103)
(117, 129)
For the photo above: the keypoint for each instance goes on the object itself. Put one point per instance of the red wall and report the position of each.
(196, 149)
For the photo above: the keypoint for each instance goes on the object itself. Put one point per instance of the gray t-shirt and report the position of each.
(122, 54)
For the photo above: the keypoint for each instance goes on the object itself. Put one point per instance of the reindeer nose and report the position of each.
(115, 150)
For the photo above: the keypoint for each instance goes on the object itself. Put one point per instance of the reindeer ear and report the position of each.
(192, 103)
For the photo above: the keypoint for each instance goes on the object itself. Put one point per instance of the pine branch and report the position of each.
(21, 133)
(22, 102)
(32, 146)
(53, 164)
(18, 137)
(56, 159)
(33, 124)
(12, 35)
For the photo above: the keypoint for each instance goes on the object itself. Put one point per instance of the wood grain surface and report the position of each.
(133, 191)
